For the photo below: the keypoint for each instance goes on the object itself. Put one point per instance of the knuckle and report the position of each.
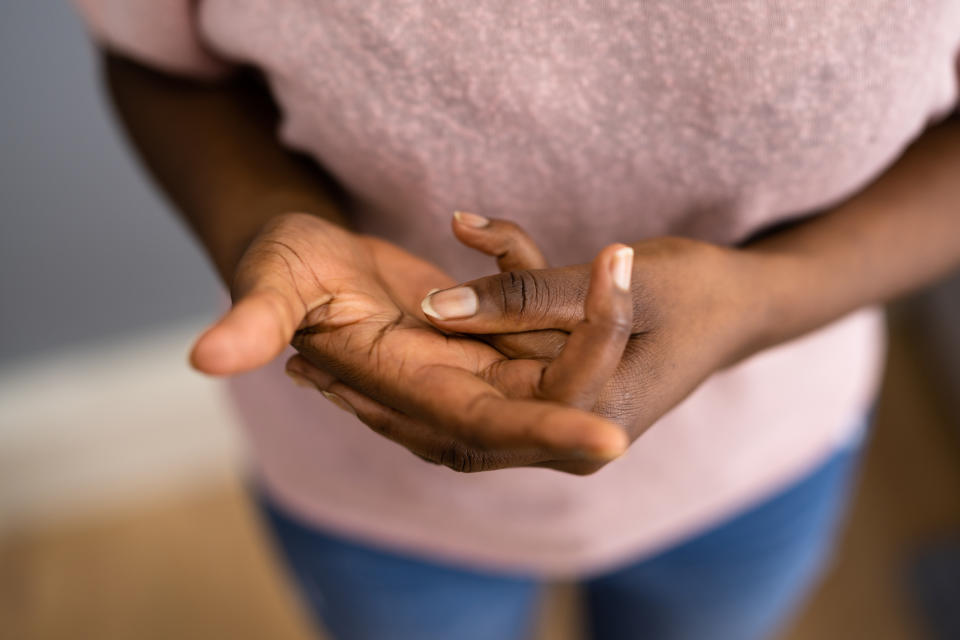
(620, 324)
(461, 459)
(522, 293)
(509, 293)
(512, 235)
(616, 315)
(615, 325)
(509, 227)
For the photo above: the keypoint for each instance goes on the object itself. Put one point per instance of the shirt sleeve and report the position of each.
(159, 33)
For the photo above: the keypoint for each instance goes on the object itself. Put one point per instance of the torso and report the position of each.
(588, 122)
(591, 122)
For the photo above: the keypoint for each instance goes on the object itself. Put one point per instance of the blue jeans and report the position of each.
(738, 581)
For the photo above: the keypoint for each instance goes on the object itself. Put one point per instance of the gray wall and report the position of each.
(87, 248)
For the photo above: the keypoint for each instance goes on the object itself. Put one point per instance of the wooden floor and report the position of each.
(196, 565)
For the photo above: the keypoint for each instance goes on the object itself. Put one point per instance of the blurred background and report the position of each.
(122, 509)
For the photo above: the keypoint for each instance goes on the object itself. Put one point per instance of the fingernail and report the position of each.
(452, 304)
(300, 381)
(471, 219)
(622, 268)
(338, 401)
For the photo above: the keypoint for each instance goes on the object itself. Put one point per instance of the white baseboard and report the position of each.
(108, 423)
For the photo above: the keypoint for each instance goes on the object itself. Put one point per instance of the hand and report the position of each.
(695, 311)
(351, 306)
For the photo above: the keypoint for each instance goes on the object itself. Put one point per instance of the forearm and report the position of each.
(213, 150)
(900, 233)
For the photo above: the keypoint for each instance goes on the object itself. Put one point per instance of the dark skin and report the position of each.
(350, 303)
(699, 308)
(693, 308)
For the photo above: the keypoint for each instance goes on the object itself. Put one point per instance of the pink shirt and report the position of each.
(588, 123)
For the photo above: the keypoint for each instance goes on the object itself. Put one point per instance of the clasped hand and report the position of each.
(534, 366)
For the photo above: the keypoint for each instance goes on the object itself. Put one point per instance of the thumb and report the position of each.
(275, 288)
(255, 331)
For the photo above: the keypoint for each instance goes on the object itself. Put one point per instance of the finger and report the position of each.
(595, 347)
(511, 302)
(416, 436)
(513, 248)
(388, 422)
(479, 415)
(251, 334)
(267, 310)
(460, 404)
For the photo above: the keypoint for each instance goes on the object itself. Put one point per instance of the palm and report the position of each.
(369, 330)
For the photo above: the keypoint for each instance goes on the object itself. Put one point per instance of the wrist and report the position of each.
(748, 303)
(780, 297)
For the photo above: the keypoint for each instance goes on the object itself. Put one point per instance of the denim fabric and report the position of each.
(738, 581)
